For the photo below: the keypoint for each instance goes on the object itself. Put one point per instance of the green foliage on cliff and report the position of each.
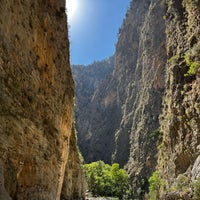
(193, 65)
(106, 180)
(155, 183)
(154, 186)
(182, 182)
(197, 188)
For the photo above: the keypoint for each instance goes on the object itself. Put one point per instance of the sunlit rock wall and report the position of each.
(36, 103)
(140, 71)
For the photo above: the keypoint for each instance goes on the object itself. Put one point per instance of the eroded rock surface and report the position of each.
(140, 70)
(37, 102)
(3, 193)
(180, 122)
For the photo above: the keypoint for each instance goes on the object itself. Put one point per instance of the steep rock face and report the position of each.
(92, 124)
(74, 185)
(180, 121)
(126, 105)
(36, 103)
(140, 70)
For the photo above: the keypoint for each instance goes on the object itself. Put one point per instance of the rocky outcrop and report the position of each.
(180, 121)
(37, 145)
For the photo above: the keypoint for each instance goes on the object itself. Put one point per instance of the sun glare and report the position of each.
(71, 6)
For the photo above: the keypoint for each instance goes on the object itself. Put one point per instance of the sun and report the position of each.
(71, 6)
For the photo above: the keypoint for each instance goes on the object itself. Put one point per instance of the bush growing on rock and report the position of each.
(154, 186)
(182, 182)
(197, 188)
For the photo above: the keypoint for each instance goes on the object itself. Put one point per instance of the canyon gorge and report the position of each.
(144, 113)
(139, 108)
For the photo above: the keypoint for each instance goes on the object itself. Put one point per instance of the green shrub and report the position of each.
(193, 66)
(154, 186)
(173, 60)
(189, 57)
(182, 182)
(197, 188)
(106, 180)
(181, 185)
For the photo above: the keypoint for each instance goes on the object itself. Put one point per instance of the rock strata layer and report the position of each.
(38, 150)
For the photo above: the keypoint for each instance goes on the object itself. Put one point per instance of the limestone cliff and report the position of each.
(126, 104)
(38, 150)
(94, 138)
(140, 70)
(180, 121)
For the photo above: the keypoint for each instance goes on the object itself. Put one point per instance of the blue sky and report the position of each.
(93, 29)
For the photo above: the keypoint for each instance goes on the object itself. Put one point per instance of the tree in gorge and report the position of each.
(106, 180)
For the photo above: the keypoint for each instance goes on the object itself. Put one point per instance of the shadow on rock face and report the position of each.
(3, 193)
